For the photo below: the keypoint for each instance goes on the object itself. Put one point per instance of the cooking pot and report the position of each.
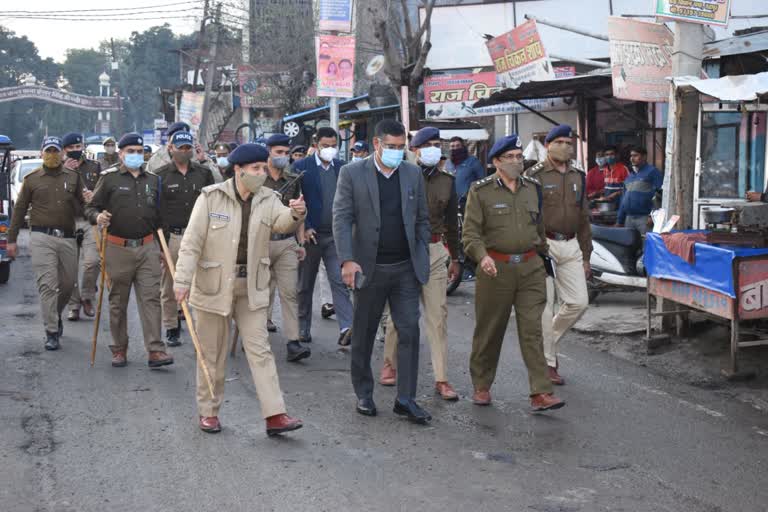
(718, 215)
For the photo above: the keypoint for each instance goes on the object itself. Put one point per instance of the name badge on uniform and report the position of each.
(501, 205)
(219, 216)
(550, 186)
(175, 185)
(128, 189)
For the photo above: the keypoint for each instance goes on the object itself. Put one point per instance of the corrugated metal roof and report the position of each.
(748, 43)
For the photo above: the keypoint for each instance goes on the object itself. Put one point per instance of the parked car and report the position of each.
(19, 170)
(6, 146)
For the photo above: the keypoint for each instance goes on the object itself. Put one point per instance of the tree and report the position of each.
(406, 44)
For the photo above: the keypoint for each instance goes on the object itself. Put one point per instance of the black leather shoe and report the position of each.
(307, 339)
(366, 407)
(172, 337)
(271, 327)
(345, 338)
(297, 352)
(412, 410)
(51, 341)
(61, 327)
(327, 311)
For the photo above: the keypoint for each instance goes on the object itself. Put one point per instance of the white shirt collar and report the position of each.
(381, 171)
(321, 164)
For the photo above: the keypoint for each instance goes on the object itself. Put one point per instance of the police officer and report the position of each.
(181, 180)
(222, 151)
(284, 250)
(566, 220)
(443, 206)
(110, 157)
(224, 260)
(503, 232)
(147, 152)
(126, 201)
(361, 150)
(89, 171)
(56, 196)
(163, 155)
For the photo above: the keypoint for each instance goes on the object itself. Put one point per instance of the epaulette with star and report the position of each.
(535, 169)
(531, 179)
(443, 171)
(483, 182)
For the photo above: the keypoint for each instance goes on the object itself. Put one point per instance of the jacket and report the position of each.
(208, 251)
(639, 189)
(466, 173)
(357, 217)
(310, 187)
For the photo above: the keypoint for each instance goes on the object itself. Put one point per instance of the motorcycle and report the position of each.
(616, 261)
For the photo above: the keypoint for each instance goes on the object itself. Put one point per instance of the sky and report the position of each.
(54, 37)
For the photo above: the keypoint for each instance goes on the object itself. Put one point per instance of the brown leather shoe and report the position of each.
(554, 377)
(210, 424)
(158, 359)
(388, 375)
(482, 397)
(546, 402)
(74, 315)
(118, 359)
(88, 308)
(282, 423)
(445, 391)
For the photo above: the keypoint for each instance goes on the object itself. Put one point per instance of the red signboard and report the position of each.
(753, 289)
(519, 56)
(692, 295)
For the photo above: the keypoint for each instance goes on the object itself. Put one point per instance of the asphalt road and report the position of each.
(76, 438)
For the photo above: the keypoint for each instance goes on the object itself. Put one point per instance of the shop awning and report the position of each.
(308, 113)
(569, 86)
(728, 88)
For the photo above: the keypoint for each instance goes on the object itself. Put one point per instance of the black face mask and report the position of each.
(75, 155)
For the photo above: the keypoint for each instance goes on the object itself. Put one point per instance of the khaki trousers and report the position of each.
(213, 331)
(284, 270)
(167, 297)
(90, 268)
(520, 285)
(54, 261)
(435, 314)
(137, 267)
(570, 286)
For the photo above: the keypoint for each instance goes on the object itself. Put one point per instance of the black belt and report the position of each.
(177, 231)
(560, 237)
(58, 233)
(241, 270)
(276, 237)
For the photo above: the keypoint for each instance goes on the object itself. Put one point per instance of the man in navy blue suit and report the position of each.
(321, 171)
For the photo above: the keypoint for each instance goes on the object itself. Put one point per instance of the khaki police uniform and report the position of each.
(56, 198)
(442, 204)
(224, 261)
(178, 193)
(506, 226)
(284, 262)
(566, 221)
(132, 254)
(88, 250)
(108, 160)
(162, 157)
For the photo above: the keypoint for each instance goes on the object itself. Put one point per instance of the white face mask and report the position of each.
(328, 154)
(430, 156)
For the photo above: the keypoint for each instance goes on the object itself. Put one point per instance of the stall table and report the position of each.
(727, 282)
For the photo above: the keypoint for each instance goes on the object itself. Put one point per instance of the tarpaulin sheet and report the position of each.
(728, 88)
(713, 267)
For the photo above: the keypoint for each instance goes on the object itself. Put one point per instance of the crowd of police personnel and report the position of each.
(235, 229)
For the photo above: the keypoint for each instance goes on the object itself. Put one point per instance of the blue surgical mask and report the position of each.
(601, 161)
(356, 158)
(610, 160)
(430, 156)
(133, 160)
(222, 161)
(391, 157)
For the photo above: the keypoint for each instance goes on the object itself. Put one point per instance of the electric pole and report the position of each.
(200, 39)
(210, 76)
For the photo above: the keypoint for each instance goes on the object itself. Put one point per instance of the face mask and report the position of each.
(328, 154)
(610, 160)
(430, 156)
(222, 161)
(75, 155)
(560, 152)
(280, 162)
(459, 155)
(133, 160)
(391, 157)
(51, 160)
(110, 150)
(356, 158)
(601, 161)
(252, 183)
(182, 157)
(511, 169)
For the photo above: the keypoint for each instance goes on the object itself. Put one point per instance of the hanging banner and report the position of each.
(708, 12)
(191, 110)
(519, 56)
(335, 66)
(335, 15)
(69, 99)
(452, 96)
(641, 59)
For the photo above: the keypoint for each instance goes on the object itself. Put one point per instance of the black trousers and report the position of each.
(396, 284)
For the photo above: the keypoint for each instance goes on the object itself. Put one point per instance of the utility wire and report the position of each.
(108, 10)
(148, 10)
(154, 18)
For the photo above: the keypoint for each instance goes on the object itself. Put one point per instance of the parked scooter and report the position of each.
(616, 261)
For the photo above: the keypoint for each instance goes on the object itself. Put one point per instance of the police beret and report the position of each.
(261, 141)
(51, 142)
(425, 135)
(279, 139)
(147, 149)
(561, 130)
(360, 145)
(71, 139)
(177, 127)
(182, 139)
(108, 140)
(303, 149)
(248, 153)
(131, 139)
(505, 144)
